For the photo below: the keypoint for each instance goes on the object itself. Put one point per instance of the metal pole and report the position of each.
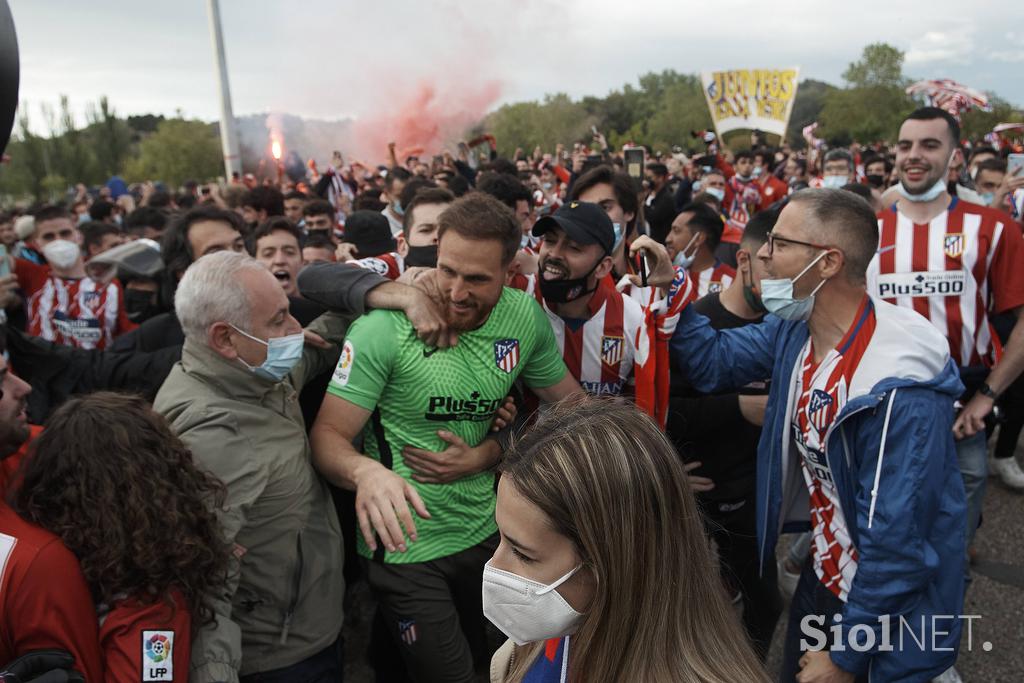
(228, 136)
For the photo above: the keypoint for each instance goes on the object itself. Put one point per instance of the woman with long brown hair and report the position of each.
(110, 479)
(604, 572)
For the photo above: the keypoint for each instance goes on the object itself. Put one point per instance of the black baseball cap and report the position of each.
(583, 222)
(370, 231)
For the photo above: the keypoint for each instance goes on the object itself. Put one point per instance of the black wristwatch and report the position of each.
(986, 390)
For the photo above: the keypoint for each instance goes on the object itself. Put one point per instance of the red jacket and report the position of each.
(44, 601)
(147, 642)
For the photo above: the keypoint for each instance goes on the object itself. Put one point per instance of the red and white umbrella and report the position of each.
(951, 96)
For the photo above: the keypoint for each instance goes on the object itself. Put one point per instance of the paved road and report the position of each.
(996, 594)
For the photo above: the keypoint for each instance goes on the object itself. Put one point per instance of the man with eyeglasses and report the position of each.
(855, 445)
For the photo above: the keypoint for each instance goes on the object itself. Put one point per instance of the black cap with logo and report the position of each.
(583, 222)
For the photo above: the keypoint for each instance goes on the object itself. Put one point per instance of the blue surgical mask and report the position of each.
(931, 193)
(757, 172)
(777, 296)
(282, 355)
(396, 206)
(681, 260)
(617, 227)
(834, 182)
(987, 198)
(716, 192)
(696, 186)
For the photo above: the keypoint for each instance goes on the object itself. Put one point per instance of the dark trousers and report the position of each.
(434, 612)
(734, 531)
(326, 666)
(811, 597)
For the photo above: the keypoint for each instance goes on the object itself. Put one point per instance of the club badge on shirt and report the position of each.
(157, 656)
(953, 244)
(611, 350)
(506, 354)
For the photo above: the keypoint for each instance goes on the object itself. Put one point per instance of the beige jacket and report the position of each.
(284, 601)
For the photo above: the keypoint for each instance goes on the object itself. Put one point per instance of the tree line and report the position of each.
(660, 111)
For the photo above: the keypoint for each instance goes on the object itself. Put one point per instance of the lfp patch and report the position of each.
(345, 361)
(506, 354)
(158, 655)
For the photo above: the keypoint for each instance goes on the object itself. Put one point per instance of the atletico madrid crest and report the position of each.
(953, 244)
(611, 350)
(818, 410)
(506, 354)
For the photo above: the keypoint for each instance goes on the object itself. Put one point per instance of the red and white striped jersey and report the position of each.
(390, 265)
(822, 392)
(955, 270)
(714, 278)
(601, 351)
(82, 312)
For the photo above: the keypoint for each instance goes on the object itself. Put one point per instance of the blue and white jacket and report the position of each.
(892, 455)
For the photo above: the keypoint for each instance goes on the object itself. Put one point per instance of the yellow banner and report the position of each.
(760, 99)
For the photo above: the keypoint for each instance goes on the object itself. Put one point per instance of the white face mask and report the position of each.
(527, 611)
(61, 253)
(716, 192)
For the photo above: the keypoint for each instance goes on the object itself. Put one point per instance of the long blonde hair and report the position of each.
(610, 481)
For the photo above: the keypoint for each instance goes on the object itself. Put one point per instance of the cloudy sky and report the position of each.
(335, 58)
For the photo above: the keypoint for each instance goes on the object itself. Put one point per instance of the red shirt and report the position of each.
(772, 190)
(954, 271)
(147, 642)
(822, 394)
(77, 312)
(44, 600)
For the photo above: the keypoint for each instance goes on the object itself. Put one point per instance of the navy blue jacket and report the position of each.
(893, 459)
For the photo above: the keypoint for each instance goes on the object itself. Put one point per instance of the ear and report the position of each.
(603, 268)
(219, 337)
(832, 263)
(401, 246)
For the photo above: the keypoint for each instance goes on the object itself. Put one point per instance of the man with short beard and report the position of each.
(957, 264)
(409, 401)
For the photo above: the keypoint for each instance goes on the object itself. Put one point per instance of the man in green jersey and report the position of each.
(408, 398)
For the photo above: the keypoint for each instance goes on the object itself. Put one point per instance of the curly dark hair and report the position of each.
(110, 478)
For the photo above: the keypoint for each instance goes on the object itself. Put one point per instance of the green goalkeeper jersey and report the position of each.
(414, 390)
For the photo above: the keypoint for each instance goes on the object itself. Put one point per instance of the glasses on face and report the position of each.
(773, 238)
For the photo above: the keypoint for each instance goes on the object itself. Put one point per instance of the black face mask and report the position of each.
(422, 257)
(139, 306)
(752, 296)
(564, 291)
(875, 180)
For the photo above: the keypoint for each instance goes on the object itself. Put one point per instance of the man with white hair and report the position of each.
(233, 400)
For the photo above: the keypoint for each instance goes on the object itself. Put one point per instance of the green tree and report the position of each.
(874, 103)
(109, 137)
(976, 123)
(179, 150)
(23, 176)
(807, 107)
(880, 65)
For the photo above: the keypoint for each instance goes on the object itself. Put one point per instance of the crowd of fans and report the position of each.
(573, 397)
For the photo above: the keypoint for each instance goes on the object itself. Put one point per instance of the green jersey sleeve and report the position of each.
(366, 360)
(544, 366)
